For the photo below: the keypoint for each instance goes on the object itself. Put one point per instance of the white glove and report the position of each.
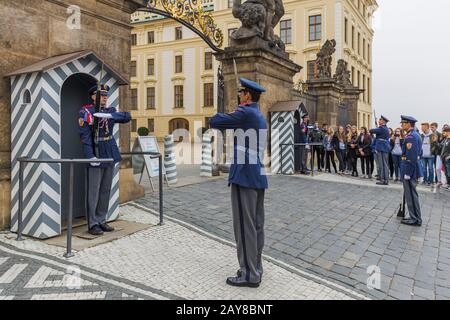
(103, 115)
(407, 177)
(95, 164)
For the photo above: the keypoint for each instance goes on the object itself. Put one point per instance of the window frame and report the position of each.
(178, 97)
(150, 98)
(313, 26)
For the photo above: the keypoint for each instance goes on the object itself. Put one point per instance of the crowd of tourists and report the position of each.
(351, 151)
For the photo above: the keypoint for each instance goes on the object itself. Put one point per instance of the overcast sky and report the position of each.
(411, 60)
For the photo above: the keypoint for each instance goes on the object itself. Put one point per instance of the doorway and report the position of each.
(74, 95)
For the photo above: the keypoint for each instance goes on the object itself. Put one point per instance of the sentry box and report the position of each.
(45, 100)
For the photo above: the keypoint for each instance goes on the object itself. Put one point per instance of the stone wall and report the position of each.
(34, 30)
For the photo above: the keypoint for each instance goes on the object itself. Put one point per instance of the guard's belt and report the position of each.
(100, 139)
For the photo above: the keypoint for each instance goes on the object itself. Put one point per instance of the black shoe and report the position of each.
(96, 231)
(106, 228)
(410, 222)
(241, 282)
(380, 183)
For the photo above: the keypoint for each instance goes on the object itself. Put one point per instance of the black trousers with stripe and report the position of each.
(248, 222)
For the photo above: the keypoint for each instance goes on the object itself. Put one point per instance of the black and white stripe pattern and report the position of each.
(282, 131)
(36, 133)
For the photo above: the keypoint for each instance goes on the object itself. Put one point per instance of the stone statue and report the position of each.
(342, 75)
(324, 59)
(258, 18)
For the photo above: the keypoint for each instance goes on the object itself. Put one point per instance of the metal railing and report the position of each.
(24, 160)
(312, 144)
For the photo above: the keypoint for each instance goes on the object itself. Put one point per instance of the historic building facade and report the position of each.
(174, 74)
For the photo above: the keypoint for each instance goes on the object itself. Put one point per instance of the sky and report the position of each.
(411, 60)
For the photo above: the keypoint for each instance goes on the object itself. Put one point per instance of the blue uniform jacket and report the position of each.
(412, 148)
(249, 174)
(382, 139)
(107, 145)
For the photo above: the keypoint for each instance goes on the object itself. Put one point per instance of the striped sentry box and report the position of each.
(36, 133)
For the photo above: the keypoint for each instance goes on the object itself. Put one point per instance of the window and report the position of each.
(151, 125)
(208, 61)
(26, 97)
(151, 67)
(369, 98)
(368, 53)
(359, 43)
(178, 33)
(364, 49)
(178, 96)
(178, 64)
(208, 95)
(151, 37)
(364, 87)
(151, 98)
(359, 79)
(230, 3)
(312, 70)
(353, 76)
(346, 30)
(315, 28)
(134, 39)
(133, 68)
(353, 37)
(207, 125)
(134, 99)
(230, 32)
(133, 125)
(286, 31)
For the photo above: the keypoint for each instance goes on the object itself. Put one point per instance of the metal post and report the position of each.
(69, 253)
(312, 160)
(19, 215)
(161, 186)
(281, 158)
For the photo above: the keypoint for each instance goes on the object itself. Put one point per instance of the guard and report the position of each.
(410, 168)
(248, 181)
(383, 148)
(100, 176)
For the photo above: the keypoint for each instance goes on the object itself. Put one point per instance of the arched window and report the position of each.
(26, 97)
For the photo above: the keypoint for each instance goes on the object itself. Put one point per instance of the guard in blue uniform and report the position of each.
(382, 147)
(100, 176)
(410, 168)
(248, 181)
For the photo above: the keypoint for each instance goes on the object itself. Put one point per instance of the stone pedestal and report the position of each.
(257, 61)
(336, 105)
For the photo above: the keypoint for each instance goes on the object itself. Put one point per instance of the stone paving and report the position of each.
(336, 230)
(173, 261)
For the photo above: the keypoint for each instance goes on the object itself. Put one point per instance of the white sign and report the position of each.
(150, 144)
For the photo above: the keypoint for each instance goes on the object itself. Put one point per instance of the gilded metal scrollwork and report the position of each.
(191, 12)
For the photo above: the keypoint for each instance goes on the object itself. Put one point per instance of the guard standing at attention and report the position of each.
(410, 168)
(100, 176)
(382, 147)
(248, 181)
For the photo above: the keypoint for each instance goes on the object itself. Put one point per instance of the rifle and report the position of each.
(401, 210)
(97, 109)
(375, 118)
(238, 83)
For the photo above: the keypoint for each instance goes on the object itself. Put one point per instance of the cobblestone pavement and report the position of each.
(162, 262)
(336, 230)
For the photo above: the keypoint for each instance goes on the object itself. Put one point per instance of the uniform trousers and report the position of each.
(99, 190)
(248, 222)
(412, 200)
(383, 166)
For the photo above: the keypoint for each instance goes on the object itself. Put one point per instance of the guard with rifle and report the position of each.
(96, 123)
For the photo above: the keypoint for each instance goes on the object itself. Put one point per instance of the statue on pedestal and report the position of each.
(259, 17)
(342, 75)
(324, 59)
